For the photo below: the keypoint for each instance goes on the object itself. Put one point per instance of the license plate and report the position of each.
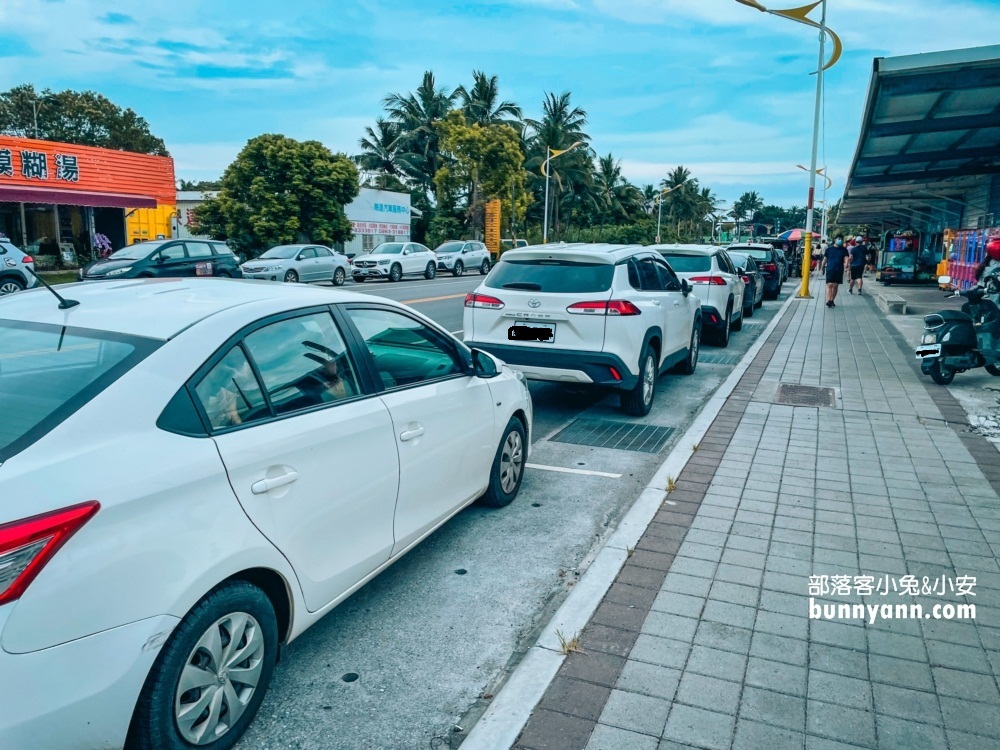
(545, 334)
(929, 350)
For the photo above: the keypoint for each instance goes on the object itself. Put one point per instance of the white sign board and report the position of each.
(379, 212)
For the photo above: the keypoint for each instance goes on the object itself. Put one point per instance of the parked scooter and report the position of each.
(955, 341)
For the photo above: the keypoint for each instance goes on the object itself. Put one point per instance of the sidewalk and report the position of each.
(705, 639)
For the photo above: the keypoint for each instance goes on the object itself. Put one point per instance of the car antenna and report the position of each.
(64, 304)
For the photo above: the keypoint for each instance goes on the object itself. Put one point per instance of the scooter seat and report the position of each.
(953, 315)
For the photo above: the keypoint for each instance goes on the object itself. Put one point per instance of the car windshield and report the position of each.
(758, 254)
(140, 251)
(739, 259)
(682, 263)
(281, 252)
(47, 372)
(389, 248)
(450, 247)
(556, 276)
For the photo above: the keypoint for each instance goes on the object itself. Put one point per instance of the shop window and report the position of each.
(367, 242)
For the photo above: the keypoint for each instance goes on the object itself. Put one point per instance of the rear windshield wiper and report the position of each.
(526, 285)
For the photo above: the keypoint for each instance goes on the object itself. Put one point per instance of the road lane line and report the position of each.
(584, 472)
(432, 299)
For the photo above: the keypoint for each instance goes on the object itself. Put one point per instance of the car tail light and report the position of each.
(717, 280)
(483, 301)
(770, 266)
(616, 307)
(27, 259)
(746, 279)
(615, 374)
(713, 318)
(27, 545)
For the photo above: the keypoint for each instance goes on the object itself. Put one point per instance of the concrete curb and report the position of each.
(502, 723)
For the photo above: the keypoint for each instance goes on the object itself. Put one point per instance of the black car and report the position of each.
(165, 258)
(770, 263)
(753, 278)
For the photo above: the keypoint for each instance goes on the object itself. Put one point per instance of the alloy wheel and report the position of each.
(648, 381)
(511, 461)
(9, 287)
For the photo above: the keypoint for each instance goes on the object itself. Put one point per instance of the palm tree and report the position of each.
(747, 206)
(417, 113)
(682, 201)
(482, 104)
(383, 155)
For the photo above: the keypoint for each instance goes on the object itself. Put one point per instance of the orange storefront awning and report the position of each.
(74, 198)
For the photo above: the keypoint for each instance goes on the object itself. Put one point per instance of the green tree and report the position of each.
(81, 117)
(417, 115)
(279, 191)
(203, 185)
(481, 104)
(384, 156)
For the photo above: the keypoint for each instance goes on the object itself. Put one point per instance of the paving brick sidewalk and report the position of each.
(705, 641)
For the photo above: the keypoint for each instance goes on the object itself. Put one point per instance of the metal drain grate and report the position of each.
(793, 394)
(719, 359)
(624, 436)
(755, 324)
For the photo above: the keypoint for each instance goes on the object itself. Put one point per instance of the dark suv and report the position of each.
(165, 258)
(770, 262)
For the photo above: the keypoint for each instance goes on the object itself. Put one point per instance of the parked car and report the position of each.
(291, 263)
(769, 260)
(715, 281)
(252, 455)
(609, 315)
(394, 260)
(165, 258)
(754, 281)
(459, 255)
(15, 268)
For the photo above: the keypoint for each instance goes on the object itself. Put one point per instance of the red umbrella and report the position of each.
(794, 235)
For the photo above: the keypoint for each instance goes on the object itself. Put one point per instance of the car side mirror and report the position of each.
(484, 365)
(685, 287)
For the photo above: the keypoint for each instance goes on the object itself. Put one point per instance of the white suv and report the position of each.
(715, 280)
(393, 260)
(611, 315)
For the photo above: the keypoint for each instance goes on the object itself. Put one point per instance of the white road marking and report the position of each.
(584, 472)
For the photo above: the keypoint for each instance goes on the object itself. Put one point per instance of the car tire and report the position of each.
(359, 279)
(485, 268)
(236, 608)
(224, 275)
(993, 370)
(722, 337)
(760, 304)
(940, 374)
(291, 277)
(430, 272)
(738, 325)
(10, 285)
(339, 277)
(508, 467)
(458, 269)
(395, 273)
(638, 401)
(690, 363)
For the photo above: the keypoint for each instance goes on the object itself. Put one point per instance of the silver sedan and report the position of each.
(292, 263)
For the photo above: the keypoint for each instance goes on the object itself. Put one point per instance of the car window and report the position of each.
(48, 372)
(198, 249)
(230, 393)
(668, 278)
(682, 263)
(755, 253)
(406, 352)
(223, 250)
(322, 252)
(551, 275)
(648, 276)
(172, 252)
(309, 252)
(303, 362)
(633, 274)
(725, 264)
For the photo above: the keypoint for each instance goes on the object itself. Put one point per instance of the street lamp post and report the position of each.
(659, 206)
(35, 103)
(550, 155)
(800, 15)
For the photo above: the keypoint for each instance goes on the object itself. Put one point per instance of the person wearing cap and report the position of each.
(859, 256)
(834, 263)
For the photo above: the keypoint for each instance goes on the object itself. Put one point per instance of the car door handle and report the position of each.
(677, 303)
(411, 434)
(266, 485)
(656, 302)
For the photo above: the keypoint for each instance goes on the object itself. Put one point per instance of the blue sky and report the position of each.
(710, 84)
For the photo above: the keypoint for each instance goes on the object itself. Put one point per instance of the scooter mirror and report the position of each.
(944, 279)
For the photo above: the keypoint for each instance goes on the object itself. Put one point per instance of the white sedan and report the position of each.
(193, 472)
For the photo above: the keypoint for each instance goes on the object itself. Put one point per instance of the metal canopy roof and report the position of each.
(930, 132)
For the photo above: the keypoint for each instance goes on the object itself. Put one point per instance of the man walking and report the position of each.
(859, 256)
(834, 262)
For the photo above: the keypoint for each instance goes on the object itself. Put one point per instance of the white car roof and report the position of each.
(752, 245)
(160, 308)
(579, 251)
(687, 249)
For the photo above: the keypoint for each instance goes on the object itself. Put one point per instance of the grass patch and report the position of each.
(569, 646)
(671, 485)
(59, 277)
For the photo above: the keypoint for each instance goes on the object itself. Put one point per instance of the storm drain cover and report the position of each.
(748, 324)
(623, 436)
(718, 359)
(793, 394)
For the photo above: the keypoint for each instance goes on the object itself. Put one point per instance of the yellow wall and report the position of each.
(143, 224)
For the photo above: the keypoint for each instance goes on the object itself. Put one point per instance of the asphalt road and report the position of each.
(407, 661)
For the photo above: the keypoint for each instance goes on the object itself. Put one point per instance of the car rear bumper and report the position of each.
(79, 694)
(564, 365)
(712, 319)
